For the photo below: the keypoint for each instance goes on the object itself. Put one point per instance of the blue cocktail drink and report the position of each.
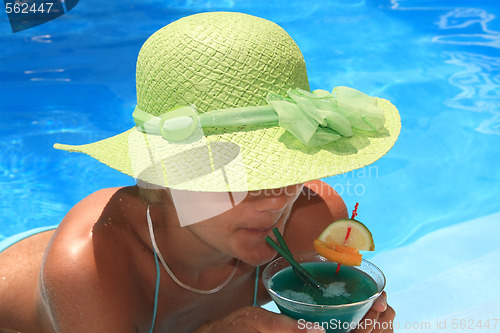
(339, 306)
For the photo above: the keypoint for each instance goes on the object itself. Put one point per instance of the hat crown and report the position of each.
(215, 61)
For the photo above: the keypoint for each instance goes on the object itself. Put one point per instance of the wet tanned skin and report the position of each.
(99, 269)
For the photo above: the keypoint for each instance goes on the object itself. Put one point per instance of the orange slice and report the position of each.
(339, 254)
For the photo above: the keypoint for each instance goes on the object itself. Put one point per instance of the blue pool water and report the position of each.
(72, 80)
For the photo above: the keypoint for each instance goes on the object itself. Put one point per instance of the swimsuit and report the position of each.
(4, 244)
(9, 241)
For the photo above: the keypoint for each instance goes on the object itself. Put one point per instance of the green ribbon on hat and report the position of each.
(315, 119)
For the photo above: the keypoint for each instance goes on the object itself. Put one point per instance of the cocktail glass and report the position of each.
(333, 318)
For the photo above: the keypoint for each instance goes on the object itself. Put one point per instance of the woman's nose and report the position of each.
(273, 201)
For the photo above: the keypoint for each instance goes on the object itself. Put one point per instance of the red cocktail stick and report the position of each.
(355, 211)
(354, 214)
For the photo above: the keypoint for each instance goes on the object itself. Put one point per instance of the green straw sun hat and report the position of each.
(223, 104)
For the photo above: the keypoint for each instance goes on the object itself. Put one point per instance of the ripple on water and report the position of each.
(479, 81)
(38, 183)
(471, 27)
(26, 200)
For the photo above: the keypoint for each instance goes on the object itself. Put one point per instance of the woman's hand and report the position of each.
(379, 318)
(252, 319)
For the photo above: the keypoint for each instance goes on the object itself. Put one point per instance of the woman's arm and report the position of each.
(253, 319)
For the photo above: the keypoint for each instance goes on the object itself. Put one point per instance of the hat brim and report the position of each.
(239, 160)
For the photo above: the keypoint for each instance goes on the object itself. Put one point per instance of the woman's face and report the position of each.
(241, 231)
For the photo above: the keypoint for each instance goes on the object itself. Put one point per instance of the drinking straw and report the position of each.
(285, 248)
(284, 251)
(281, 241)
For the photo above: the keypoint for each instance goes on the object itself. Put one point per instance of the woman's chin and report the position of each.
(258, 258)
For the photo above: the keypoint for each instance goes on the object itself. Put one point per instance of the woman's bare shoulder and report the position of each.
(84, 226)
(320, 193)
(317, 206)
(83, 260)
(90, 206)
(72, 247)
(75, 231)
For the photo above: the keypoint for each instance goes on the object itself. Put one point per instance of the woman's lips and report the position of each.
(261, 230)
(258, 231)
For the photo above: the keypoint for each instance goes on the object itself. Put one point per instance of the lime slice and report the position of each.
(359, 237)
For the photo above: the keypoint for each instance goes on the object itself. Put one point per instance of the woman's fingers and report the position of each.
(368, 322)
(379, 318)
(380, 304)
(385, 321)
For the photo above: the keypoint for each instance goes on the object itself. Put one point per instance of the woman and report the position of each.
(227, 145)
